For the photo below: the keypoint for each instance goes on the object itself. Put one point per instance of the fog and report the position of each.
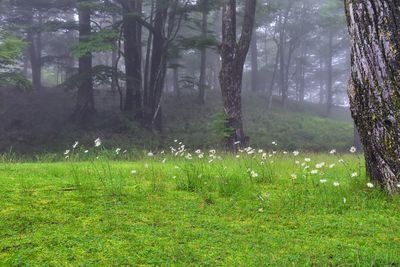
(140, 74)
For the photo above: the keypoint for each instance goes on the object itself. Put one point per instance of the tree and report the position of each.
(85, 100)
(374, 85)
(233, 55)
(133, 54)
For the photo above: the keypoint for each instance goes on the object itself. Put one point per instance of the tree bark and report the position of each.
(133, 56)
(254, 63)
(203, 56)
(374, 85)
(329, 81)
(233, 56)
(85, 99)
(35, 53)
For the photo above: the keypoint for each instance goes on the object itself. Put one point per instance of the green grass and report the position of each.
(96, 212)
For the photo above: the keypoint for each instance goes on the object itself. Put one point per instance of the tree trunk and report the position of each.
(203, 57)
(233, 56)
(85, 99)
(329, 81)
(254, 63)
(35, 53)
(133, 56)
(157, 69)
(374, 85)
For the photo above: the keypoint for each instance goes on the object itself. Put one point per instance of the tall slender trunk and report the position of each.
(133, 56)
(85, 99)
(254, 63)
(374, 86)
(157, 69)
(329, 81)
(272, 83)
(35, 53)
(203, 56)
(146, 77)
(321, 82)
(114, 57)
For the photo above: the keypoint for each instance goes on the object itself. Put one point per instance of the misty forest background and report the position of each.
(149, 75)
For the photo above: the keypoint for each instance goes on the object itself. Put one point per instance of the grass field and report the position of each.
(101, 208)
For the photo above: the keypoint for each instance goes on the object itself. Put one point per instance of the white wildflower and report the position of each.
(86, 151)
(198, 151)
(333, 151)
(307, 159)
(370, 185)
(314, 171)
(97, 142)
(296, 153)
(133, 172)
(344, 200)
(150, 154)
(332, 166)
(354, 174)
(117, 150)
(253, 174)
(275, 143)
(353, 149)
(67, 152)
(323, 181)
(293, 176)
(336, 184)
(75, 145)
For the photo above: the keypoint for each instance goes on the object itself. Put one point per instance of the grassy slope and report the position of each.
(99, 214)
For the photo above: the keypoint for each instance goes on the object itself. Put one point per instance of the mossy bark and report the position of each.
(233, 55)
(374, 85)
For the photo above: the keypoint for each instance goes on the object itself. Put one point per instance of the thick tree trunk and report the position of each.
(374, 85)
(133, 56)
(233, 56)
(85, 99)
(203, 58)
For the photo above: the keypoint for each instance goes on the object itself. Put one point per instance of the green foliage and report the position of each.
(199, 42)
(10, 50)
(101, 41)
(14, 80)
(220, 124)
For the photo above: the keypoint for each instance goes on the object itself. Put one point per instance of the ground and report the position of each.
(257, 208)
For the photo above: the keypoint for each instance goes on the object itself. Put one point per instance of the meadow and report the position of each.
(184, 207)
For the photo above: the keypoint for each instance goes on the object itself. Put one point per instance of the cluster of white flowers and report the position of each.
(97, 142)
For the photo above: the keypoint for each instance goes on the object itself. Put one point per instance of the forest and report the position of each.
(199, 132)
